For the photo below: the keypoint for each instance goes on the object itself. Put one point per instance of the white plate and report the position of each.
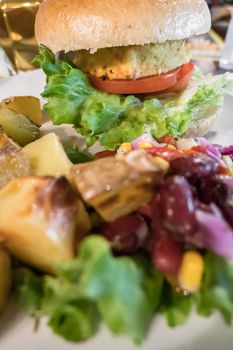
(16, 329)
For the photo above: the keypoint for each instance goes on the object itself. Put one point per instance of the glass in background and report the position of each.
(17, 20)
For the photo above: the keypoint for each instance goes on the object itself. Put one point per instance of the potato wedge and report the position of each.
(47, 156)
(18, 126)
(5, 278)
(83, 223)
(38, 220)
(27, 105)
(13, 164)
(116, 186)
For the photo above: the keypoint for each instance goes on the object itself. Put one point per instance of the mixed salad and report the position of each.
(117, 237)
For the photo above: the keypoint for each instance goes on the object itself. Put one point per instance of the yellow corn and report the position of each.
(125, 148)
(162, 162)
(191, 271)
(145, 144)
(171, 147)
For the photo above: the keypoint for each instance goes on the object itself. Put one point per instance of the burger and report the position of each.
(120, 69)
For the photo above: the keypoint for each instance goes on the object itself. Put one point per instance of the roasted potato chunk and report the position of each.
(13, 164)
(18, 126)
(39, 220)
(27, 105)
(5, 277)
(47, 156)
(116, 186)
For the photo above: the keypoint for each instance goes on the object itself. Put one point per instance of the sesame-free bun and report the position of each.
(68, 25)
(201, 127)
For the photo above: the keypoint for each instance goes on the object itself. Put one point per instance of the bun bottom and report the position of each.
(202, 127)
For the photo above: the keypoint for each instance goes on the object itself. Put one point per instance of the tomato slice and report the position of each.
(186, 72)
(168, 139)
(177, 78)
(164, 152)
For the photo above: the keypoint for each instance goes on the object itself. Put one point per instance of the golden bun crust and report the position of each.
(68, 25)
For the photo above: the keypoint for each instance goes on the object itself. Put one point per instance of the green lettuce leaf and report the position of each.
(118, 287)
(102, 112)
(66, 90)
(147, 118)
(75, 322)
(75, 155)
(29, 290)
(205, 95)
(217, 288)
(114, 119)
(124, 292)
(176, 307)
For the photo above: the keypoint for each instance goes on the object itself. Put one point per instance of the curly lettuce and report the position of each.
(114, 119)
(124, 292)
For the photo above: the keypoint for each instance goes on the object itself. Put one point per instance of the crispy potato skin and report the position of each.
(39, 218)
(13, 163)
(116, 186)
(5, 277)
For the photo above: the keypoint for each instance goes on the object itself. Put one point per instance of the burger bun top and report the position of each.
(70, 25)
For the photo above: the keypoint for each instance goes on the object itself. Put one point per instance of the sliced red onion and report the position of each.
(227, 151)
(201, 141)
(211, 150)
(217, 233)
(213, 153)
(145, 137)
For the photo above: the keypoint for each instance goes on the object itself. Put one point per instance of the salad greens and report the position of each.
(29, 289)
(109, 118)
(217, 288)
(124, 292)
(175, 306)
(74, 153)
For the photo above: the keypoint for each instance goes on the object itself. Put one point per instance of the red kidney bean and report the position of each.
(167, 256)
(177, 206)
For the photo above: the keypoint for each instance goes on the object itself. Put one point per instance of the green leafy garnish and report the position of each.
(216, 292)
(29, 290)
(66, 90)
(75, 322)
(75, 155)
(175, 306)
(123, 292)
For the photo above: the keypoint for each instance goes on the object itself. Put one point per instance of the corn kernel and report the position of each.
(162, 162)
(125, 148)
(191, 271)
(171, 147)
(145, 144)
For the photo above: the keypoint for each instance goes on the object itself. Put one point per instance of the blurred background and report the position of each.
(18, 46)
(17, 34)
